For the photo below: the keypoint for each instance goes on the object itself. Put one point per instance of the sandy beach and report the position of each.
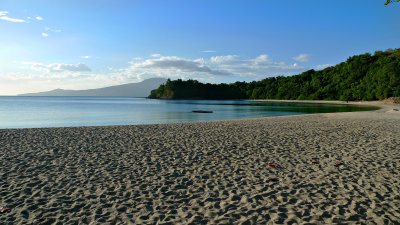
(273, 170)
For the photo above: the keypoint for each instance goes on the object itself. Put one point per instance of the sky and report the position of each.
(72, 44)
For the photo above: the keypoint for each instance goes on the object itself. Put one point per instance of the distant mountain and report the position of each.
(141, 89)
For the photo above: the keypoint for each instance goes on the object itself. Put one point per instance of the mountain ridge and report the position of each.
(140, 89)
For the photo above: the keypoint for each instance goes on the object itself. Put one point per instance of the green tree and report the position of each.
(390, 1)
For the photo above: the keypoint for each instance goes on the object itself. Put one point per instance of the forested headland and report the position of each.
(361, 77)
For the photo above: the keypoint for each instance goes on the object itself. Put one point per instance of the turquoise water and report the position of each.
(31, 112)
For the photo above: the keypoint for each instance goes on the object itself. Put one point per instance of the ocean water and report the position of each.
(37, 112)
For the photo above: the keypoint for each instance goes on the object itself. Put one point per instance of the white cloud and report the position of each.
(155, 55)
(52, 30)
(262, 58)
(223, 59)
(174, 64)
(260, 66)
(39, 18)
(3, 16)
(208, 51)
(45, 34)
(58, 67)
(321, 67)
(303, 57)
(85, 57)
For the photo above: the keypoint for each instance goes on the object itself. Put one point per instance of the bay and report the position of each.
(38, 112)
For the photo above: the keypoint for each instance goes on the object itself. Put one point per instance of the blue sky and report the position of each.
(89, 44)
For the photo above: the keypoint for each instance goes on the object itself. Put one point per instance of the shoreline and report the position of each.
(214, 172)
(363, 103)
(378, 104)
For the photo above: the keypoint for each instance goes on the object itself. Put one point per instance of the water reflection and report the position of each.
(20, 112)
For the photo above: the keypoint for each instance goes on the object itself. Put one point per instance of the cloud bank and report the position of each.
(173, 64)
(213, 69)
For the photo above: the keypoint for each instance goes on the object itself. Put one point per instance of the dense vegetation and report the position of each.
(192, 89)
(362, 77)
(390, 1)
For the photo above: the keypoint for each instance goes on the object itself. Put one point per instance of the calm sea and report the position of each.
(30, 112)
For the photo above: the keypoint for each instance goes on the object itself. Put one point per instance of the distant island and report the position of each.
(361, 77)
(141, 89)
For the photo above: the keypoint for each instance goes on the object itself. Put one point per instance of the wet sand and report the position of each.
(207, 172)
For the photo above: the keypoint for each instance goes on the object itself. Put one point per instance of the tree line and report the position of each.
(361, 77)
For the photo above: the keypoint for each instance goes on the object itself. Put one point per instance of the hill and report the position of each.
(193, 89)
(361, 77)
(141, 89)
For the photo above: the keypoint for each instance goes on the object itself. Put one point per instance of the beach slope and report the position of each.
(321, 169)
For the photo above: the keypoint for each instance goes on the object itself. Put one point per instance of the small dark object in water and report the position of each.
(272, 166)
(314, 162)
(274, 179)
(201, 111)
